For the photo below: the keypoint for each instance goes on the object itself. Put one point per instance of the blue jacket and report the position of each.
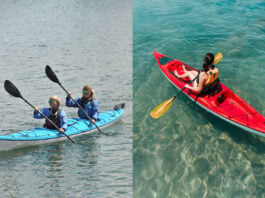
(92, 112)
(47, 112)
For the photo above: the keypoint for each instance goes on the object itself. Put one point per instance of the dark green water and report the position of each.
(187, 152)
(85, 42)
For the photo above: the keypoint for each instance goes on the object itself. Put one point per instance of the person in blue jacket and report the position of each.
(87, 102)
(54, 113)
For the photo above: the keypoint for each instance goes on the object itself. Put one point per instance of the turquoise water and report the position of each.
(187, 152)
(85, 42)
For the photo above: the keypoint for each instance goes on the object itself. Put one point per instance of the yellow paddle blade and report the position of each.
(217, 58)
(161, 109)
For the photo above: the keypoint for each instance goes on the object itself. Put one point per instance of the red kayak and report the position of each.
(225, 104)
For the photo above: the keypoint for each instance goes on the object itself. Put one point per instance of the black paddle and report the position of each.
(12, 90)
(52, 76)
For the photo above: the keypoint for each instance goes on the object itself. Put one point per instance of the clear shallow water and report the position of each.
(187, 152)
(85, 42)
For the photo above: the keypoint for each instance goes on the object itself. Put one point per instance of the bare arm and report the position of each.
(202, 80)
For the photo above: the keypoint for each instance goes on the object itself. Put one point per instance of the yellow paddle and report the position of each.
(217, 58)
(159, 110)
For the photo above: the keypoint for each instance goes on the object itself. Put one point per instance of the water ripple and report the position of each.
(84, 43)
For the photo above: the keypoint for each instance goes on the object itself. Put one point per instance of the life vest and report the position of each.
(84, 101)
(55, 118)
(212, 76)
(89, 109)
(212, 85)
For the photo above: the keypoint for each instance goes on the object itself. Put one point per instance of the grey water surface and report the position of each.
(85, 42)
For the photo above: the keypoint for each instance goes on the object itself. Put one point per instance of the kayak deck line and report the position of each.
(228, 120)
(76, 127)
(231, 105)
(233, 109)
(62, 136)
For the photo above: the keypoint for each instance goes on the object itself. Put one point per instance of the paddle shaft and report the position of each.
(191, 81)
(178, 93)
(81, 108)
(164, 106)
(48, 120)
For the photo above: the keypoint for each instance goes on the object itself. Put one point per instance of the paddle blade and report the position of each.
(50, 74)
(217, 58)
(11, 89)
(161, 109)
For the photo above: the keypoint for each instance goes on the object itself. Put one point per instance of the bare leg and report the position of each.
(183, 75)
(184, 68)
(192, 76)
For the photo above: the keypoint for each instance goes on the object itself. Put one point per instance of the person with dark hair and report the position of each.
(87, 102)
(203, 78)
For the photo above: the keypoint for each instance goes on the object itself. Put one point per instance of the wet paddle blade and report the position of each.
(158, 111)
(12, 89)
(217, 58)
(50, 74)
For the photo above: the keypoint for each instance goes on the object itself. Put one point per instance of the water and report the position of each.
(187, 152)
(85, 42)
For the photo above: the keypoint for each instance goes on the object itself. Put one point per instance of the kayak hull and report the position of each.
(76, 127)
(231, 109)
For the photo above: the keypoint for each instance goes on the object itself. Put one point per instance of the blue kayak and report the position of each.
(76, 127)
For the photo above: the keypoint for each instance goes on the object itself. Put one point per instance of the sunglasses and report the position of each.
(52, 101)
(86, 91)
